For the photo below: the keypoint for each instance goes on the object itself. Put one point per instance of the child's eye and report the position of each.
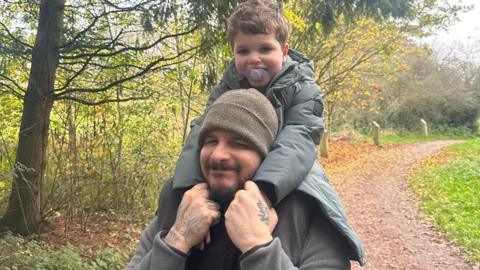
(265, 49)
(242, 52)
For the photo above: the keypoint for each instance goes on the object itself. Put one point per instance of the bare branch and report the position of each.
(92, 24)
(82, 69)
(333, 57)
(64, 47)
(117, 9)
(129, 8)
(76, 74)
(103, 101)
(64, 66)
(15, 91)
(14, 37)
(12, 91)
(360, 60)
(149, 68)
(129, 48)
(24, 55)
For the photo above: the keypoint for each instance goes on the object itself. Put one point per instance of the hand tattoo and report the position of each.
(188, 224)
(262, 212)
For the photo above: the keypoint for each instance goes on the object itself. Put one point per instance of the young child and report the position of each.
(258, 31)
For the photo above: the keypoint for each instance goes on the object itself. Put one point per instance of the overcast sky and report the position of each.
(461, 36)
(467, 28)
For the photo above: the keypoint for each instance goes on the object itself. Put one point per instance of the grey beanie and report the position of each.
(245, 112)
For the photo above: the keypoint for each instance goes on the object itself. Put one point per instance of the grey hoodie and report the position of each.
(303, 239)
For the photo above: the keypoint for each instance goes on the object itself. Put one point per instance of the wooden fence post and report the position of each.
(324, 145)
(376, 133)
(424, 128)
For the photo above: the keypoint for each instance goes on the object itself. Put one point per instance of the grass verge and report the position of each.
(449, 187)
(412, 138)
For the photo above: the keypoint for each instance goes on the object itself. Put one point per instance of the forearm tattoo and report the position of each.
(172, 237)
(192, 225)
(262, 212)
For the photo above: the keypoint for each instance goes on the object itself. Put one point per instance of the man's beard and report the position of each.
(224, 195)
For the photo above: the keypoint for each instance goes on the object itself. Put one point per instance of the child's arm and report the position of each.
(294, 150)
(187, 170)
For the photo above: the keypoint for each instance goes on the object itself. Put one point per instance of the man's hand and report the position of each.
(195, 215)
(248, 219)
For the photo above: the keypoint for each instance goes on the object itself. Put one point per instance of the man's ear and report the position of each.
(285, 51)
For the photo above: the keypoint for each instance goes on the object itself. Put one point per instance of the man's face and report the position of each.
(227, 161)
(259, 52)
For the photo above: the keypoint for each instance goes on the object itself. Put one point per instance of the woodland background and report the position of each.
(104, 91)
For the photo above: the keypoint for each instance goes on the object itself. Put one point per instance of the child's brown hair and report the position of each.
(258, 17)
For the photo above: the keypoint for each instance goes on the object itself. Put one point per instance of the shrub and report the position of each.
(18, 254)
(110, 258)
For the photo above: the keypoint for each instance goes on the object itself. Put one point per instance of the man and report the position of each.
(226, 222)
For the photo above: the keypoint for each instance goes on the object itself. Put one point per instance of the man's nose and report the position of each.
(220, 152)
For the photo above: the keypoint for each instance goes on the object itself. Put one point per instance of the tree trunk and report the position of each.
(24, 212)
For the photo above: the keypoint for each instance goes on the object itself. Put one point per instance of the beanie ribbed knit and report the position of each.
(245, 112)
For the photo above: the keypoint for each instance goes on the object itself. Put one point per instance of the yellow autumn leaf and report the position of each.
(295, 20)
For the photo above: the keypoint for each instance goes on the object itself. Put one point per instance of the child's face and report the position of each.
(258, 57)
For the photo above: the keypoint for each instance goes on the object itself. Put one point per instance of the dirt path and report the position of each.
(384, 212)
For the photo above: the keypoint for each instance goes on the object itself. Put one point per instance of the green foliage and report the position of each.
(10, 111)
(450, 193)
(453, 131)
(441, 95)
(412, 138)
(15, 253)
(115, 156)
(18, 254)
(350, 60)
(110, 258)
(324, 14)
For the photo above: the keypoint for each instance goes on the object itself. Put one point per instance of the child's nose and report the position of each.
(254, 58)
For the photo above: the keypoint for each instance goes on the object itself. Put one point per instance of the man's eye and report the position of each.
(210, 141)
(241, 145)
